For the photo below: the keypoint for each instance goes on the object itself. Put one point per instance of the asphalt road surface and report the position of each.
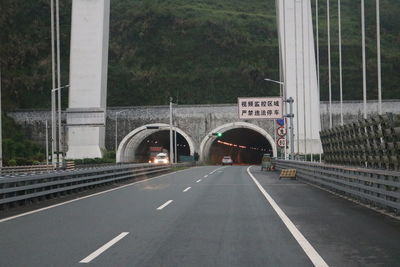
(204, 216)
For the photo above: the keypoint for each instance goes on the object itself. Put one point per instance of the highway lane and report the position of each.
(204, 216)
(62, 236)
(221, 220)
(224, 221)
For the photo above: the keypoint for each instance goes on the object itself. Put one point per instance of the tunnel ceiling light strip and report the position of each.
(240, 146)
(230, 144)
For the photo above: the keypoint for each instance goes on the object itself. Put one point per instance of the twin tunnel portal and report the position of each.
(244, 143)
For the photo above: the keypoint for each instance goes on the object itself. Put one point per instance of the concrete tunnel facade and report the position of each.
(197, 121)
(130, 144)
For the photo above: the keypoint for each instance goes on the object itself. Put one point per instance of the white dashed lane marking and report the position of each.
(104, 248)
(165, 204)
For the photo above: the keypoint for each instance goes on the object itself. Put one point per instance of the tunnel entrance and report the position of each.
(160, 142)
(244, 146)
(244, 142)
(143, 142)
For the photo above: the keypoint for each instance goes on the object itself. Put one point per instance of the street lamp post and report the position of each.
(59, 157)
(328, 20)
(340, 62)
(55, 64)
(378, 45)
(1, 130)
(364, 63)
(274, 81)
(53, 76)
(175, 145)
(47, 142)
(171, 153)
(116, 129)
(54, 122)
(53, 128)
(290, 100)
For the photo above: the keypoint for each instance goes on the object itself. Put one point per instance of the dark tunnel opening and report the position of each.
(244, 146)
(159, 142)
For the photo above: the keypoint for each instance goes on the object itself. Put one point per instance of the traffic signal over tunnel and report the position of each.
(217, 134)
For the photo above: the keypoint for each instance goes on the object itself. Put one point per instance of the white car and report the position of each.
(227, 160)
(161, 158)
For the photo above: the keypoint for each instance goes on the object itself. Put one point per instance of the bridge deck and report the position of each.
(205, 216)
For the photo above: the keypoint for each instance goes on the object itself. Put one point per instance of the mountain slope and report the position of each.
(204, 51)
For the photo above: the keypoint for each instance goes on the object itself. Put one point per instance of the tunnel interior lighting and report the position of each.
(230, 144)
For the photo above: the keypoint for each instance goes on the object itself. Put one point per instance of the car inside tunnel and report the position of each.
(159, 142)
(244, 146)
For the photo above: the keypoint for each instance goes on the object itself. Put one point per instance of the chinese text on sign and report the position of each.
(260, 108)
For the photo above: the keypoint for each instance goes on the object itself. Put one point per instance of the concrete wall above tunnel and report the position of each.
(130, 143)
(195, 120)
(209, 139)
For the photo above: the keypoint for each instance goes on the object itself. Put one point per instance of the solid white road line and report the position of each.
(187, 189)
(312, 254)
(198, 181)
(80, 198)
(104, 248)
(165, 204)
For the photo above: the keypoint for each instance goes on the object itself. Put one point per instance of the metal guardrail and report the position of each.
(377, 188)
(19, 189)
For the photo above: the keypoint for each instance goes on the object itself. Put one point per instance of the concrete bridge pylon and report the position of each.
(88, 78)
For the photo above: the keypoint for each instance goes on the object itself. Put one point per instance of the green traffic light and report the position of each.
(219, 134)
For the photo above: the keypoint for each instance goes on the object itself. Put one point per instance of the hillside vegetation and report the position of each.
(203, 51)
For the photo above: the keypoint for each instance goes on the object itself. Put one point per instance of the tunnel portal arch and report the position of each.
(131, 142)
(209, 139)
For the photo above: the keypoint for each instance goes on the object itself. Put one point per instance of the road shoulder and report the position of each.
(344, 233)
